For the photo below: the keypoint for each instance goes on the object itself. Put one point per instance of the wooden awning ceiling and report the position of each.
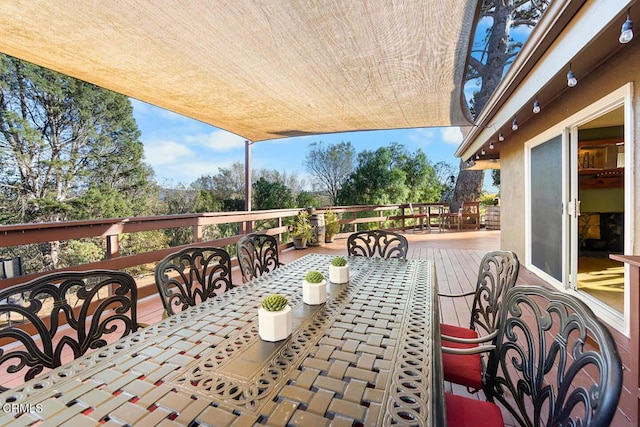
(261, 69)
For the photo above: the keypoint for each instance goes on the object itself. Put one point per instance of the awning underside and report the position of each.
(261, 69)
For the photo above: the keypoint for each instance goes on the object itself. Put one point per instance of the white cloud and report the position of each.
(423, 136)
(451, 135)
(161, 153)
(217, 140)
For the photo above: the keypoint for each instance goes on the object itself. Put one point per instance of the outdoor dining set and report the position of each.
(373, 352)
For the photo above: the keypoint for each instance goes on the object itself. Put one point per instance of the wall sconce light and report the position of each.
(483, 152)
(452, 178)
(626, 35)
(514, 125)
(491, 146)
(571, 78)
(501, 137)
(477, 156)
(536, 106)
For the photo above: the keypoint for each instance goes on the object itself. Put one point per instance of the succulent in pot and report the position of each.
(314, 288)
(274, 318)
(339, 270)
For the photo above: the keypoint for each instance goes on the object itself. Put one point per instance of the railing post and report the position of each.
(404, 225)
(113, 246)
(380, 222)
(197, 233)
(279, 226)
(355, 224)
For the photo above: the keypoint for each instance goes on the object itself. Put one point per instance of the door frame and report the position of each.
(567, 128)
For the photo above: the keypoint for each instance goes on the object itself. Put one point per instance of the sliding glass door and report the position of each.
(546, 207)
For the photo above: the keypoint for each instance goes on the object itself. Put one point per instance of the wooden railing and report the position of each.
(400, 217)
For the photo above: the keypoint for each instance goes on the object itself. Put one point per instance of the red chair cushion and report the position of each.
(464, 369)
(463, 411)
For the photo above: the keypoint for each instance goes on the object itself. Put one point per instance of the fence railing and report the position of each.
(396, 217)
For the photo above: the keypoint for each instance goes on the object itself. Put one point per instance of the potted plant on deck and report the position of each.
(339, 270)
(274, 318)
(301, 230)
(314, 288)
(331, 225)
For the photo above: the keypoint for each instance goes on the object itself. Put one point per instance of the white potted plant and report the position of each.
(339, 270)
(274, 318)
(314, 288)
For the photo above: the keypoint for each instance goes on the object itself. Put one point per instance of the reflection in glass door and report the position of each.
(546, 213)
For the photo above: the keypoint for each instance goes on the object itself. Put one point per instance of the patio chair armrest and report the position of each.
(484, 338)
(467, 351)
(463, 294)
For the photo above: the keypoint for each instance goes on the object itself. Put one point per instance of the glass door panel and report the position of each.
(546, 182)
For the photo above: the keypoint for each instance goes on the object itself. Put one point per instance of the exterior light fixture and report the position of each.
(571, 78)
(536, 106)
(491, 146)
(483, 152)
(626, 35)
(501, 137)
(514, 125)
(477, 156)
(452, 178)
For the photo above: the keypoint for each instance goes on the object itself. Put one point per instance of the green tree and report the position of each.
(304, 199)
(390, 175)
(331, 165)
(68, 150)
(271, 195)
(495, 177)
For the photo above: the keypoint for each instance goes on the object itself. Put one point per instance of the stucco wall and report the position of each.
(624, 67)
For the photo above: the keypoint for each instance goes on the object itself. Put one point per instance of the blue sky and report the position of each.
(181, 150)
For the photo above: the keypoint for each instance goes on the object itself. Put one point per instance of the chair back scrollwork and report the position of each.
(377, 243)
(191, 276)
(61, 316)
(497, 274)
(554, 363)
(257, 255)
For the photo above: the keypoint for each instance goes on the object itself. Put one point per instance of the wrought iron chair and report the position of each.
(257, 255)
(377, 243)
(461, 347)
(63, 316)
(554, 363)
(191, 276)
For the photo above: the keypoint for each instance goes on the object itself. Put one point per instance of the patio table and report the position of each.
(368, 356)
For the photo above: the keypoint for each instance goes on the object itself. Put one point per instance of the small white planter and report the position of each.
(314, 293)
(339, 274)
(275, 325)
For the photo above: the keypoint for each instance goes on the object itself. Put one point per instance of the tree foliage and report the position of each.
(330, 165)
(68, 149)
(271, 195)
(390, 175)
